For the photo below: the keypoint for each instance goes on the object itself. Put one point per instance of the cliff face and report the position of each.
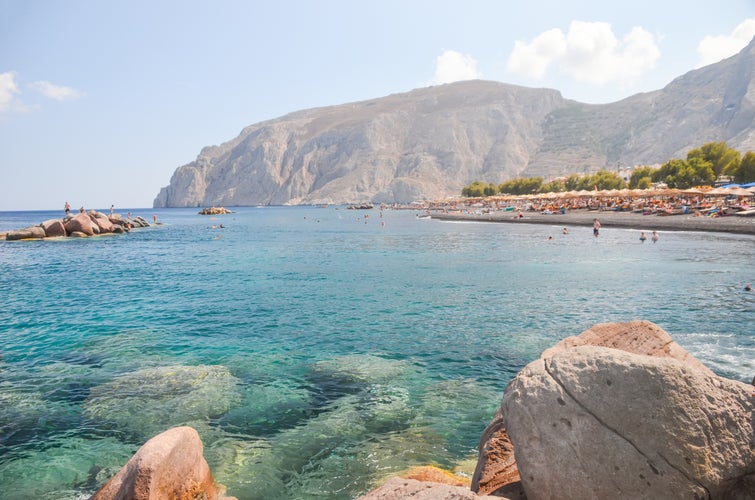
(430, 142)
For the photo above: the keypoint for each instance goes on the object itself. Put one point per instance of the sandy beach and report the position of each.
(608, 219)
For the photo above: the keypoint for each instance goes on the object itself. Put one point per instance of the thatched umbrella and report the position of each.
(738, 191)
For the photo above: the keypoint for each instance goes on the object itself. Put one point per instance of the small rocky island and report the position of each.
(80, 225)
(214, 211)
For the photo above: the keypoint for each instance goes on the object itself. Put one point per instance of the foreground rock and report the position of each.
(399, 487)
(82, 224)
(170, 465)
(622, 411)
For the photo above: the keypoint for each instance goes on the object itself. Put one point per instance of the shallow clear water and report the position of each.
(316, 353)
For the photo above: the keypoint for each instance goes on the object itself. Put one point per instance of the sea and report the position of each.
(318, 351)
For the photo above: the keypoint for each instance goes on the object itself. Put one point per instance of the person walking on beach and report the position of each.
(595, 227)
(655, 237)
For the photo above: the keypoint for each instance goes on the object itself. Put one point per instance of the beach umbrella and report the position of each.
(738, 191)
(719, 191)
(693, 191)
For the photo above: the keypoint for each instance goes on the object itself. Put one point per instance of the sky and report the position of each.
(101, 101)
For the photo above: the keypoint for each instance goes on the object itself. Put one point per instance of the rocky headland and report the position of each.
(80, 225)
(619, 411)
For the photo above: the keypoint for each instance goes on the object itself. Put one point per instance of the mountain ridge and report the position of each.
(427, 143)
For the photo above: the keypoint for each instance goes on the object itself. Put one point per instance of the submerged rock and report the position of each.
(360, 369)
(33, 232)
(151, 399)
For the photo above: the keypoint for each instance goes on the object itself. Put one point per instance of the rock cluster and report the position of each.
(620, 410)
(214, 211)
(80, 225)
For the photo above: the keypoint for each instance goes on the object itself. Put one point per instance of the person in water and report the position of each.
(655, 237)
(595, 227)
(643, 237)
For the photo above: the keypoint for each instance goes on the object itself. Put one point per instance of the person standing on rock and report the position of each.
(68, 208)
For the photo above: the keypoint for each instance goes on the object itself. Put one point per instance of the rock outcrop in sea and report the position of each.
(619, 411)
(170, 465)
(214, 211)
(78, 225)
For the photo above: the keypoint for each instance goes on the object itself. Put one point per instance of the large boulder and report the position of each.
(637, 337)
(101, 221)
(497, 472)
(79, 223)
(595, 422)
(497, 468)
(170, 465)
(53, 228)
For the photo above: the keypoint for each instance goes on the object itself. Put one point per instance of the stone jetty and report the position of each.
(80, 225)
(619, 411)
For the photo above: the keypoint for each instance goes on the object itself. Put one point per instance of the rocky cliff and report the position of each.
(430, 142)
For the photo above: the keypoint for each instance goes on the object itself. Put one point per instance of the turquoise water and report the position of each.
(316, 353)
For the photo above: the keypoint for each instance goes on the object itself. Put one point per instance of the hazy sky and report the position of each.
(101, 100)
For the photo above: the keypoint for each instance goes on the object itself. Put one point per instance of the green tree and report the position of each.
(701, 173)
(576, 182)
(745, 171)
(641, 175)
(604, 179)
(522, 185)
(681, 174)
(669, 172)
(474, 190)
(720, 156)
(554, 186)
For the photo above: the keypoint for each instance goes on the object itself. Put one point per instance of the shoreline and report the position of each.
(729, 224)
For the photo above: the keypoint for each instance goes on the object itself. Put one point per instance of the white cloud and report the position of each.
(57, 92)
(8, 91)
(589, 52)
(452, 66)
(715, 48)
(533, 59)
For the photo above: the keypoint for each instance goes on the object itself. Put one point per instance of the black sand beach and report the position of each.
(608, 219)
